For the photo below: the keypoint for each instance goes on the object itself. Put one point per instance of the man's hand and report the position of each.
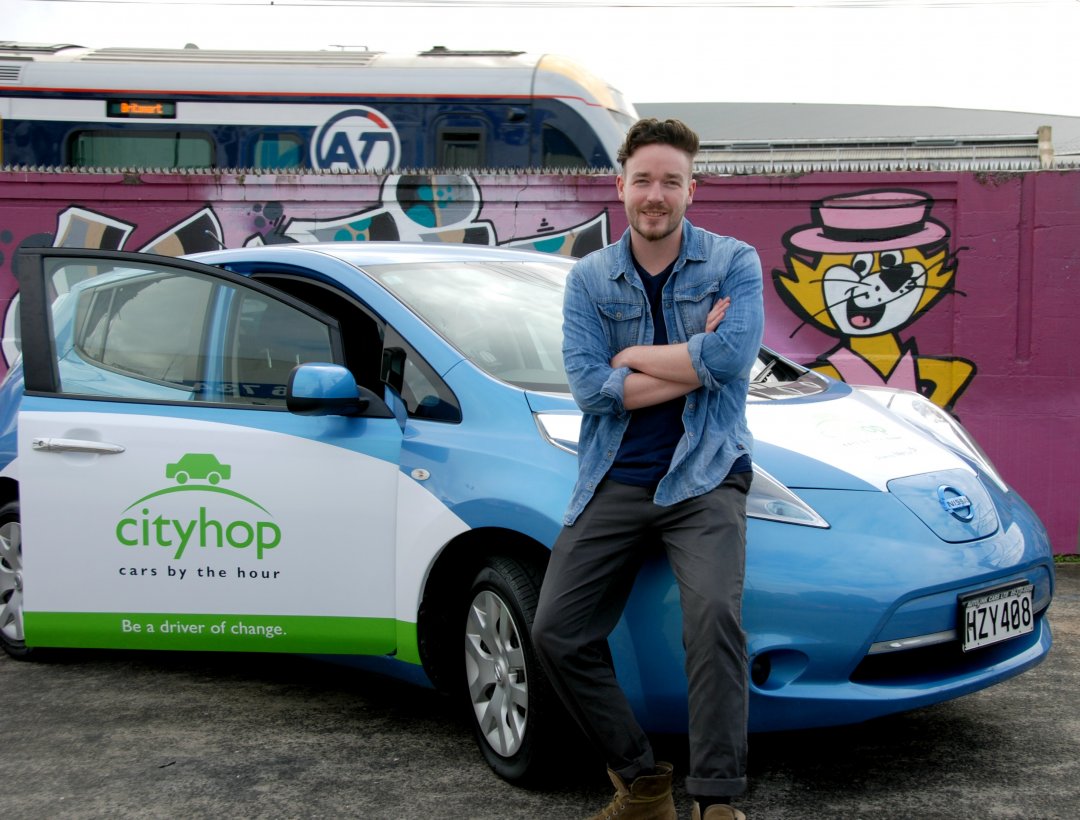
(657, 360)
(716, 315)
(663, 372)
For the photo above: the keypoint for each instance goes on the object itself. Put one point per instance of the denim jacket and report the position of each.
(605, 310)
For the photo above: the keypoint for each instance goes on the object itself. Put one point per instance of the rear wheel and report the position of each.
(515, 715)
(12, 639)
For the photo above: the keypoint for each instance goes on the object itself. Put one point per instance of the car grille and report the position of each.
(938, 662)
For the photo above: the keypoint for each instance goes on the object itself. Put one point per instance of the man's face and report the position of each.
(656, 186)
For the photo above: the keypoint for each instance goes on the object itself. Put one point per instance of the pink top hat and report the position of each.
(869, 221)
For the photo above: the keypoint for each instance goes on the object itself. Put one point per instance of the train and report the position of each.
(347, 111)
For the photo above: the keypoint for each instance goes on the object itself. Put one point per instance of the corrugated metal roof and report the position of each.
(792, 138)
(975, 153)
(788, 165)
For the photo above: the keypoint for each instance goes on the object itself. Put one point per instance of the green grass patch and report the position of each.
(1067, 559)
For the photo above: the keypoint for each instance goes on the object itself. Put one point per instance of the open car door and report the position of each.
(169, 498)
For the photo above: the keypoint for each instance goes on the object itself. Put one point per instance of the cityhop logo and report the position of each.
(360, 139)
(154, 520)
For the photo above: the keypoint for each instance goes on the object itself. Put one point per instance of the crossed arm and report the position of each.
(662, 372)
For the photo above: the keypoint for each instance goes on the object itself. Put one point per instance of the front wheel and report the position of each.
(12, 638)
(515, 714)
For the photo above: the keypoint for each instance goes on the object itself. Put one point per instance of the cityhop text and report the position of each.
(204, 532)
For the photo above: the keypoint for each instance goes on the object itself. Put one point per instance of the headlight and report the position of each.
(938, 423)
(768, 498)
(771, 500)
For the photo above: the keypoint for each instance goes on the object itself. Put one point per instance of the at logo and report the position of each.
(360, 139)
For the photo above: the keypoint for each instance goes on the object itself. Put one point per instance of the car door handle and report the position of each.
(74, 445)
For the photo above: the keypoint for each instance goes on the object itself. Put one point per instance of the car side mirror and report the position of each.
(322, 389)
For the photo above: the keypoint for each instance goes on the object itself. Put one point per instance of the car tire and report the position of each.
(515, 715)
(12, 639)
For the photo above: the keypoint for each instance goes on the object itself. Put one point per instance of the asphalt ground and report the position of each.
(169, 735)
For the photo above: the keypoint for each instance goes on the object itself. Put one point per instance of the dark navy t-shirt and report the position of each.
(654, 432)
(649, 442)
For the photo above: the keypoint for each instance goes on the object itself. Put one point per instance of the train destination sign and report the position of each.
(141, 109)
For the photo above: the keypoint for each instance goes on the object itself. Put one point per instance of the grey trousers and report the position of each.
(588, 581)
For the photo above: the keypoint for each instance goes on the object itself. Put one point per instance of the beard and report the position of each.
(655, 228)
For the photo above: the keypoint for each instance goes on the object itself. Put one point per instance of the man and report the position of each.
(660, 331)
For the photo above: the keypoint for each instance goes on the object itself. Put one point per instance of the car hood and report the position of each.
(837, 439)
(842, 439)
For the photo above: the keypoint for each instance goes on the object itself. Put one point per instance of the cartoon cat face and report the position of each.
(865, 294)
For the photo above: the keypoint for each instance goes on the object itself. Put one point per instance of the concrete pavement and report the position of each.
(163, 735)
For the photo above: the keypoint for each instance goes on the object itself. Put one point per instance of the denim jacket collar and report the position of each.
(692, 248)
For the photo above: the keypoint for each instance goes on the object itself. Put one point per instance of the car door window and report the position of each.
(374, 351)
(268, 340)
(149, 328)
(147, 333)
(426, 396)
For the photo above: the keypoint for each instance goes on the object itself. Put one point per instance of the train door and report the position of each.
(496, 138)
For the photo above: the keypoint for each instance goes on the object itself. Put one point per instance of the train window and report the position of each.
(140, 149)
(279, 150)
(558, 151)
(461, 148)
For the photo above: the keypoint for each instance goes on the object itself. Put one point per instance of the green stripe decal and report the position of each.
(408, 645)
(221, 633)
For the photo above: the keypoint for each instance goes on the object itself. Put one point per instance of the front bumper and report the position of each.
(819, 605)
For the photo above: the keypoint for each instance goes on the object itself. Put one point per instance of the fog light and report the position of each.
(777, 668)
(759, 670)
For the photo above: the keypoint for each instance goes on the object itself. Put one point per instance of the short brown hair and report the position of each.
(652, 131)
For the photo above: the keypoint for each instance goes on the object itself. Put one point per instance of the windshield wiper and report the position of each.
(764, 374)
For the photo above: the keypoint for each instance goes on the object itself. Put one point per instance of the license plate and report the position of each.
(996, 615)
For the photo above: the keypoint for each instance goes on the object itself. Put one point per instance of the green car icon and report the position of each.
(198, 465)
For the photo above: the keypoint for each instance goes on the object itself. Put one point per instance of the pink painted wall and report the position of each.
(983, 292)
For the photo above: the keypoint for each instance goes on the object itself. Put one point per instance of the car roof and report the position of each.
(362, 254)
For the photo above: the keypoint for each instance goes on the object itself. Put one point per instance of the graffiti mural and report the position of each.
(868, 266)
(429, 208)
(865, 285)
(410, 208)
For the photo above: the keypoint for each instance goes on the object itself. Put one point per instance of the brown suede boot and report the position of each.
(717, 812)
(646, 798)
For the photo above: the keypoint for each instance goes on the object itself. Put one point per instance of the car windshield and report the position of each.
(505, 316)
